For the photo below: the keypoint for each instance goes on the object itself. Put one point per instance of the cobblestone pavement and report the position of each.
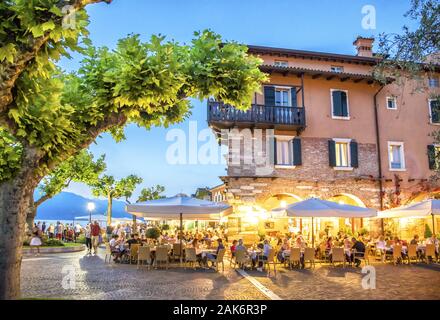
(327, 282)
(42, 278)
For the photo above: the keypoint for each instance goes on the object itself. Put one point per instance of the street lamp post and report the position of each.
(90, 208)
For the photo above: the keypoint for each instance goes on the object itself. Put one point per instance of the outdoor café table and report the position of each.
(253, 253)
(286, 253)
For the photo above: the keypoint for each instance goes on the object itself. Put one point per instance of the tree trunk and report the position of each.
(14, 206)
(15, 197)
(31, 214)
(109, 210)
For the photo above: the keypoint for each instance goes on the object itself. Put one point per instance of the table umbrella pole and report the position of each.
(181, 233)
(433, 223)
(313, 233)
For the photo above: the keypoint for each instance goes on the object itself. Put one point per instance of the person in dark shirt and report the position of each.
(134, 239)
(359, 246)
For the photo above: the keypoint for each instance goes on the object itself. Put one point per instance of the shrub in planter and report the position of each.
(152, 233)
(165, 227)
(54, 243)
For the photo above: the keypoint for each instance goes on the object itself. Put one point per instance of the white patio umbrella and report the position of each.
(179, 207)
(422, 209)
(317, 208)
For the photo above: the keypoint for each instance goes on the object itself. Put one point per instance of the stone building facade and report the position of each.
(324, 127)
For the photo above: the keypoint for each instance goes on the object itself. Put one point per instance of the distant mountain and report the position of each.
(66, 206)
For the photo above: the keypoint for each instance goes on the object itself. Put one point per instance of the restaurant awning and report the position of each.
(318, 208)
(421, 209)
(173, 207)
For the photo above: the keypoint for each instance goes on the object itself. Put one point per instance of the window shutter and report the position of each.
(435, 116)
(354, 154)
(431, 157)
(297, 157)
(269, 96)
(274, 149)
(344, 104)
(332, 153)
(294, 97)
(337, 104)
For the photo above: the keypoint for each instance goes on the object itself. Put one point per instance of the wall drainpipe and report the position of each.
(376, 120)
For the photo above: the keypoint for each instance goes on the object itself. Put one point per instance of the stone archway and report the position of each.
(279, 200)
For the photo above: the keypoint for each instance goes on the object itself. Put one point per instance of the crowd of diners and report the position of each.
(123, 236)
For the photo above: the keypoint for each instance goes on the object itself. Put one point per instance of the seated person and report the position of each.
(359, 246)
(240, 245)
(133, 239)
(264, 256)
(213, 256)
(233, 248)
(284, 247)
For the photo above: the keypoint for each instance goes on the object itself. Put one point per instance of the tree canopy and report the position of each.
(151, 193)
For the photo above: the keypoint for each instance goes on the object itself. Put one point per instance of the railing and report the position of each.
(220, 112)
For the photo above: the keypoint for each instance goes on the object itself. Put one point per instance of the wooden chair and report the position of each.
(397, 254)
(219, 259)
(430, 252)
(270, 260)
(134, 249)
(108, 253)
(323, 253)
(176, 251)
(161, 256)
(144, 254)
(363, 256)
(190, 257)
(295, 257)
(241, 259)
(412, 253)
(338, 255)
(309, 255)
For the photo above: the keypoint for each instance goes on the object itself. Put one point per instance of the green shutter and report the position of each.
(332, 153)
(431, 157)
(274, 149)
(354, 154)
(435, 110)
(297, 157)
(337, 104)
(269, 96)
(344, 104)
(340, 104)
(294, 97)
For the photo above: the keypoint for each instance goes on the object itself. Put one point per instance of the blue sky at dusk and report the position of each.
(329, 26)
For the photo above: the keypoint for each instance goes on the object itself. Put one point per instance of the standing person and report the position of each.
(77, 231)
(43, 227)
(36, 239)
(109, 232)
(95, 231)
(51, 231)
(88, 236)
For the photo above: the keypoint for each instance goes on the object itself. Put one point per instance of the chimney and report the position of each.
(364, 46)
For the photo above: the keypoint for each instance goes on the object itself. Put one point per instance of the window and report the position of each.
(281, 63)
(434, 82)
(434, 111)
(282, 97)
(287, 151)
(337, 68)
(434, 156)
(284, 153)
(396, 156)
(339, 102)
(392, 103)
(343, 154)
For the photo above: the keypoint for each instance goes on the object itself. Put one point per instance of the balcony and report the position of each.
(223, 116)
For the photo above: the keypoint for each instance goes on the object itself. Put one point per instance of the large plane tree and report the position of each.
(47, 116)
